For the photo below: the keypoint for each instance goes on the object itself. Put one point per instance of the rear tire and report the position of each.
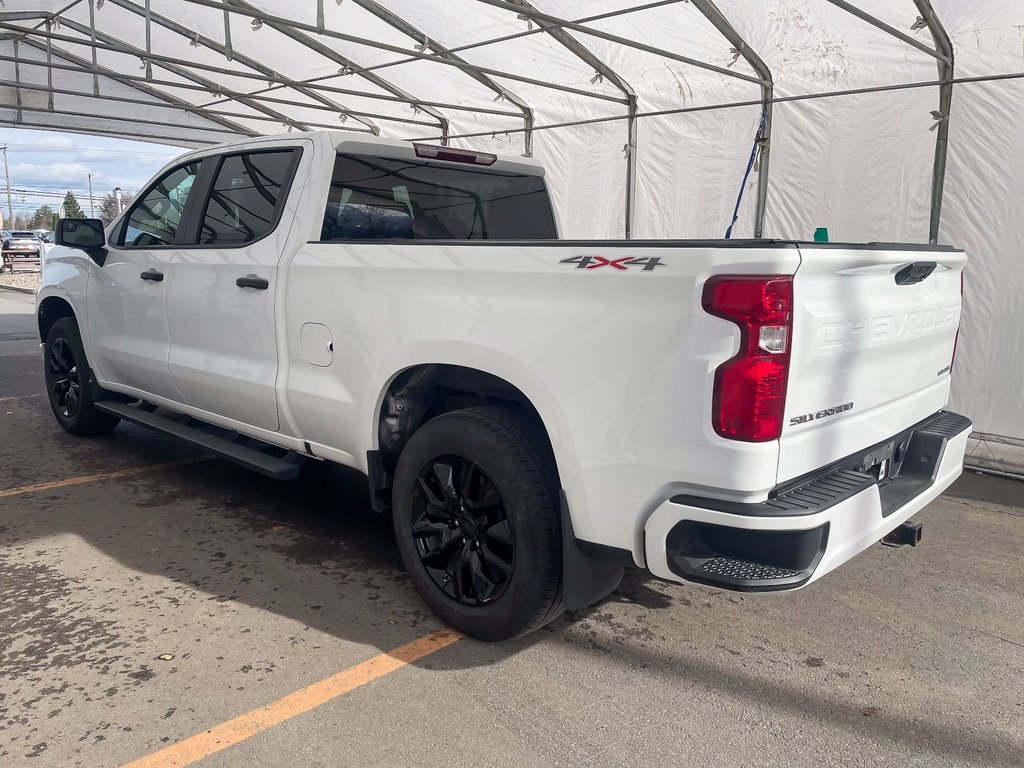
(69, 382)
(477, 522)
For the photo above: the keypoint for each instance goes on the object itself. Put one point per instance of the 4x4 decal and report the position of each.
(624, 263)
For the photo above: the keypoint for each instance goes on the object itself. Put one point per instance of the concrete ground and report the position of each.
(141, 609)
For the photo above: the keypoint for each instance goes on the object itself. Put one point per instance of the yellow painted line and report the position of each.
(92, 478)
(239, 729)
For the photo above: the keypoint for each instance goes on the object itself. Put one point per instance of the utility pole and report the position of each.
(7, 175)
(92, 211)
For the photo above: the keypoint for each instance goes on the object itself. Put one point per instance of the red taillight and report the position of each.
(455, 155)
(750, 389)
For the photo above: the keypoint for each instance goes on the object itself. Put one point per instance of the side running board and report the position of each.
(228, 445)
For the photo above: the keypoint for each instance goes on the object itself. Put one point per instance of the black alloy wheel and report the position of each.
(66, 386)
(476, 518)
(70, 387)
(463, 531)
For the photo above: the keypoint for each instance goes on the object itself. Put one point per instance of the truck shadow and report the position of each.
(314, 552)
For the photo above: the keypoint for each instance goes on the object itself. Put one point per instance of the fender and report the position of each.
(503, 366)
(586, 576)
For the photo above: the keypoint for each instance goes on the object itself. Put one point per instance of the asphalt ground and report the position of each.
(201, 614)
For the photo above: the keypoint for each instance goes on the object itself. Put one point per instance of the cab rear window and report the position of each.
(383, 199)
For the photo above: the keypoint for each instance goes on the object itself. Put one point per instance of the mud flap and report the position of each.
(585, 579)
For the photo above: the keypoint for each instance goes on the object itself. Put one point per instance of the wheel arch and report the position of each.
(419, 392)
(462, 376)
(51, 309)
(422, 391)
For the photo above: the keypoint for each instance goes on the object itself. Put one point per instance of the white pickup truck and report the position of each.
(535, 413)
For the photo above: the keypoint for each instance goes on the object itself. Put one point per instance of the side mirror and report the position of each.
(86, 234)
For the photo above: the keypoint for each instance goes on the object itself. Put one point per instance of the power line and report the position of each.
(94, 148)
(42, 190)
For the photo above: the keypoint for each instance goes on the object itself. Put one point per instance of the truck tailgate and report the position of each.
(873, 337)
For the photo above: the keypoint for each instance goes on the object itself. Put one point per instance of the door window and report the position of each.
(154, 220)
(247, 195)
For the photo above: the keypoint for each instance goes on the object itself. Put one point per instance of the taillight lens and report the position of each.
(750, 389)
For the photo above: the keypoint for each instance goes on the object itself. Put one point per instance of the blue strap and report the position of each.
(746, 175)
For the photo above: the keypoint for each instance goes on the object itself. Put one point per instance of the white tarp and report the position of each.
(860, 165)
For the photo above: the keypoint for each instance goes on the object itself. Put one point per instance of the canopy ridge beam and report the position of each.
(403, 26)
(888, 29)
(589, 58)
(538, 17)
(138, 84)
(712, 13)
(946, 77)
(17, 81)
(92, 48)
(124, 78)
(126, 134)
(202, 112)
(242, 59)
(329, 53)
(149, 39)
(533, 31)
(757, 102)
(26, 15)
(92, 115)
(117, 45)
(297, 26)
(205, 109)
(481, 43)
(49, 63)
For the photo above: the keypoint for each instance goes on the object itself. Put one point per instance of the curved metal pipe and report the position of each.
(717, 18)
(946, 74)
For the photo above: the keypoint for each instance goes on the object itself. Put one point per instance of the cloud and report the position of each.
(44, 164)
(57, 140)
(49, 172)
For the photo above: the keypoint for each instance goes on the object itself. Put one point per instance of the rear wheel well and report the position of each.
(424, 392)
(51, 310)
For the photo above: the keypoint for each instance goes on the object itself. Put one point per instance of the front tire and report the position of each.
(68, 382)
(477, 522)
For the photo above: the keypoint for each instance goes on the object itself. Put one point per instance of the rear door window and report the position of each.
(382, 199)
(247, 196)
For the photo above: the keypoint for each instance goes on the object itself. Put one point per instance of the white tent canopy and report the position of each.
(645, 112)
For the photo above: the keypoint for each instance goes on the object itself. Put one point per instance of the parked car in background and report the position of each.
(21, 247)
(45, 235)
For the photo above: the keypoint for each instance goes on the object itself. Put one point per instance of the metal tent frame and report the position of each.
(186, 78)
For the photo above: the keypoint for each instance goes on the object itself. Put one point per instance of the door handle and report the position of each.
(152, 275)
(251, 281)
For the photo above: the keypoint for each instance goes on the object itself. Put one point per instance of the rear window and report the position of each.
(380, 199)
(247, 196)
(24, 235)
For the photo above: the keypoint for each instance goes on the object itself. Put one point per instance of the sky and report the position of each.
(44, 165)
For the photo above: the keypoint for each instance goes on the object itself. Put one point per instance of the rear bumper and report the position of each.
(813, 525)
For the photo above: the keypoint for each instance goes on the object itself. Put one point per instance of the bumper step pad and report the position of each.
(743, 570)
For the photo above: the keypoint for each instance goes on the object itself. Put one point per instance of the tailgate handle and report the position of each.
(915, 273)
